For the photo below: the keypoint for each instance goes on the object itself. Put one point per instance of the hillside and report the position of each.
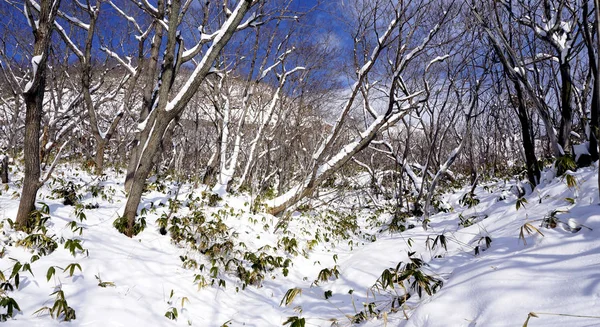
(335, 260)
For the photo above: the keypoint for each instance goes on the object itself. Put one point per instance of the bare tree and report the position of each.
(92, 9)
(514, 66)
(168, 103)
(33, 93)
(406, 19)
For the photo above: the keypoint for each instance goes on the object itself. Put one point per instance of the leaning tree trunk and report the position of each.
(144, 167)
(167, 110)
(34, 97)
(149, 71)
(322, 172)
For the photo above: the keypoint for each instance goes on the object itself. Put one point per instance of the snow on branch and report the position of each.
(73, 20)
(436, 59)
(362, 72)
(35, 62)
(127, 65)
(127, 17)
(145, 5)
(30, 20)
(205, 38)
(406, 59)
(63, 34)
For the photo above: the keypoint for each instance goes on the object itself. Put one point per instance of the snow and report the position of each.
(561, 150)
(436, 59)
(580, 149)
(189, 52)
(141, 126)
(150, 6)
(413, 177)
(35, 62)
(563, 43)
(555, 273)
(520, 71)
(102, 133)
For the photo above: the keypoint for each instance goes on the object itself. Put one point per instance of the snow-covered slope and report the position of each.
(144, 277)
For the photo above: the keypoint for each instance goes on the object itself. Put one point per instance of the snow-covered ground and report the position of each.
(144, 277)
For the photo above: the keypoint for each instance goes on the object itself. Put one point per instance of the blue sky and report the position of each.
(113, 31)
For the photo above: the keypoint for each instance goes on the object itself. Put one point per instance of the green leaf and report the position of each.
(289, 296)
(521, 203)
(50, 273)
(71, 268)
(27, 267)
(183, 300)
(16, 269)
(295, 321)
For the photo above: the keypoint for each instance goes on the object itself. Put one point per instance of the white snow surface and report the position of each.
(555, 273)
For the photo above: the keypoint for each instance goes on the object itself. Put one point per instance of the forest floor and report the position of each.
(498, 260)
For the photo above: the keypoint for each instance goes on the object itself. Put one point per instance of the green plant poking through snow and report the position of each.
(403, 282)
(60, 309)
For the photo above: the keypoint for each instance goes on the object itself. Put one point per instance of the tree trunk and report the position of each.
(34, 97)
(4, 169)
(210, 175)
(144, 167)
(594, 123)
(99, 158)
(322, 172)
(147, 100)
(533, 171)
(566, 111)
(597, 81)
(31, 154)
(167, 110)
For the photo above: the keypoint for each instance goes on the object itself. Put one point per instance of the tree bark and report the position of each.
(566, 111)
(34, 97)
(533, 171)
(99, 157)
(4, 169)
(592, 124)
